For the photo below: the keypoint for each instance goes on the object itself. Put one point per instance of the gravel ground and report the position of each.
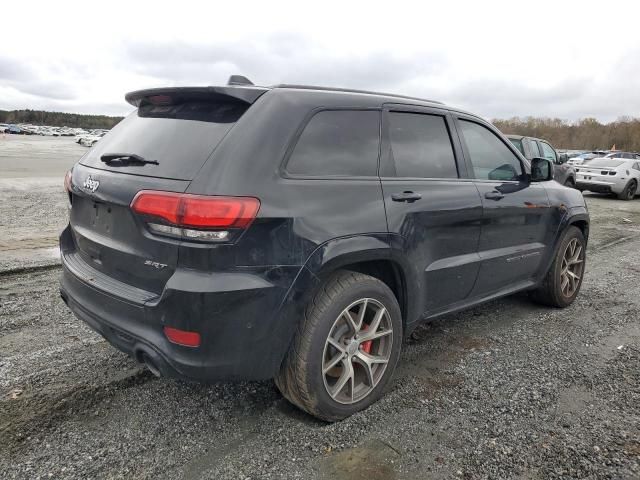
(506, 390)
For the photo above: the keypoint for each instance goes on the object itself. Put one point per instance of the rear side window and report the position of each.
(491, 159)
(421, 146)
(338, 143)
(179, 137)
(535, 151)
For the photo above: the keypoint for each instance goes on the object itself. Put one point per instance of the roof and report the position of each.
(350, 90)
(240, 89)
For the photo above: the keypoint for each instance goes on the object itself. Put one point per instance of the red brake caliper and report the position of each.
(366, 346)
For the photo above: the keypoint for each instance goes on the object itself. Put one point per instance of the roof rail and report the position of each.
(350, 90)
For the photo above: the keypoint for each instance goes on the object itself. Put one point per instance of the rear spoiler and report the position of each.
(173, 95)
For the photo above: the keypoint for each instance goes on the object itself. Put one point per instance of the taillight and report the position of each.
(68, 185)
(195, 217)
(67, 181)
(182, 337)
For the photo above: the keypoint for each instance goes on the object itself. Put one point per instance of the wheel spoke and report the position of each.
(374, 335)
(564, 283)
(367, 370)
(361, 312)
(335, 344)
(350, 322)
(335, 361)
(345, 376)
(576, 256)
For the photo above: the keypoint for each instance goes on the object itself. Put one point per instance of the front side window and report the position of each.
(338, 143)
(491, 159)
(548, 152)
(421, 146)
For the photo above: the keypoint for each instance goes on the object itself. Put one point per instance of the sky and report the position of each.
(560, 59)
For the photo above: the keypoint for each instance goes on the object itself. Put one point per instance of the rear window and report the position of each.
(338, 143)
(605, 162)
(179, 137)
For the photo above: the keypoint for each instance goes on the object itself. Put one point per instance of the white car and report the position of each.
(610, 175)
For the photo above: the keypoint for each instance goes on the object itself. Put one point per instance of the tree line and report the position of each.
(588, 133)
(58, 119)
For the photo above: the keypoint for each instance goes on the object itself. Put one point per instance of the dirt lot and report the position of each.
(506, 390)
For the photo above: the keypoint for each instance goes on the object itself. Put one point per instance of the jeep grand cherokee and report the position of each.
(299, 233)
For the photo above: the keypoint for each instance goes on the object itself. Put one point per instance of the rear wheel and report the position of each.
(346, 348)
(629, 191)
(562, 283)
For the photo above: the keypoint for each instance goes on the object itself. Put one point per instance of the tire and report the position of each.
(553, 291)
(629, 192)
(302, 378)
(569, 182)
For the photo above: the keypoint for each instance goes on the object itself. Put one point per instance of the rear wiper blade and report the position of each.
(127, 158)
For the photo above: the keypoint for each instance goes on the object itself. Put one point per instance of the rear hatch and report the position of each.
(160, 146)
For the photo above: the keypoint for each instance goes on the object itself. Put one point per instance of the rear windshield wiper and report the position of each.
(126, 158)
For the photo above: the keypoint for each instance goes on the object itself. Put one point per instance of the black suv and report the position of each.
(299, 233)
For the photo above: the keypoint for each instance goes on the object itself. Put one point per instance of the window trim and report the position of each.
(386, 166)
(284, 173)
(524, 163)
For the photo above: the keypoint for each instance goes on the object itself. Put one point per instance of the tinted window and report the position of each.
(533, 147)
(548, 152)
(179, 137)
(491, 159)
(517, 142)
(340, 142)
(421, 146)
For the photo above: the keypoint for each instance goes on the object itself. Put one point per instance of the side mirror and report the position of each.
(563, 158)
(541, 170)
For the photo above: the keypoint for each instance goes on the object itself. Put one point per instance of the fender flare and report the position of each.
(323, 260)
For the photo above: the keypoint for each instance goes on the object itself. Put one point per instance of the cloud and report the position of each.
(44, 81)
(478, 56)
(272, 59)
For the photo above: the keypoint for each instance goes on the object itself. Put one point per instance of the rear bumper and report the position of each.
(238, 314)
(599, 186)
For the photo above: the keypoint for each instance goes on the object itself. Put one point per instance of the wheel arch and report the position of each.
(368, 254)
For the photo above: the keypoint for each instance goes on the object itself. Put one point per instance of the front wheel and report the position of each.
(346, 349)
(562, 282)
(629, 191)
(570, 183)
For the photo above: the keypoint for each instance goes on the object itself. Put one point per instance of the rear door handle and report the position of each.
(405, 197)
(495, 195)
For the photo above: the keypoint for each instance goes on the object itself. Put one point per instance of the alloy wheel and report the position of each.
(357, 351)
(572, 268)
(631, 191)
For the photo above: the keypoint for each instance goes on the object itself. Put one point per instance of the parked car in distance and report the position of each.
(532, 148)
(625, 155)
(585, 158)
(300, 233)
(614, 175)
